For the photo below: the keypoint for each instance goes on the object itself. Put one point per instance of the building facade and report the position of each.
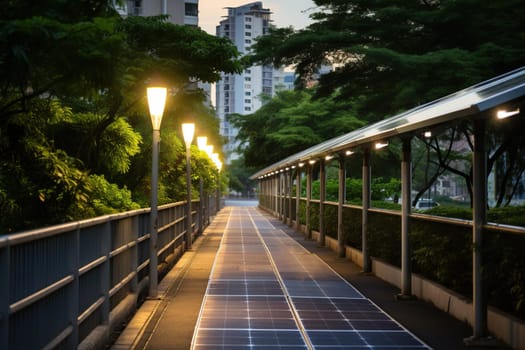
(241, 93)
(179, 11)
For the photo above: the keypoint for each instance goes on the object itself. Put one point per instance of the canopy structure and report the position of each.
(504, 95)
(485, 97)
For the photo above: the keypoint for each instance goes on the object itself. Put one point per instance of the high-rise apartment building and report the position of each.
(179, 11)
(241, 93)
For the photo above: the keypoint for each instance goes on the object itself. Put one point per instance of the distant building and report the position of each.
(241, 93)
(179, 11)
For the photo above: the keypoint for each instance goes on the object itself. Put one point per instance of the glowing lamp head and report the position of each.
(201, 142)
(188, 129)
(156, 102)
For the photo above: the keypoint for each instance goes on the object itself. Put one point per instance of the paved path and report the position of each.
(266, 291)
(250, 282)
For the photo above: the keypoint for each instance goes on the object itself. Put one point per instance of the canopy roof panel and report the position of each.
(462, 104)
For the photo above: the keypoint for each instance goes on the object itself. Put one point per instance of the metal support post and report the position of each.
(479, 218)
(366, 205)
(189, 218)
(322, 198)
(406, 187)
(153, 260)
(308, 200)
(341, 200)
(298, 200)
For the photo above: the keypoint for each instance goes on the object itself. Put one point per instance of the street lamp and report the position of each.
(201, 143)
(188, 129)
(218, 164)
(156, 102)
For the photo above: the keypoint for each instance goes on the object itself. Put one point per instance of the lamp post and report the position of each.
(209, 151)
(156, 102)
(201, 143)
(215, 158)
(188, 129)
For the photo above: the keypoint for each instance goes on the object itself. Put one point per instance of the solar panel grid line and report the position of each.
(365, 332)
(283, 286)
(249, 337)
(300, 263)
(247, 282)
(252, 313)
(211, 273)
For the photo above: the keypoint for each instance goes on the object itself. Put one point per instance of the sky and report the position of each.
(284, 12)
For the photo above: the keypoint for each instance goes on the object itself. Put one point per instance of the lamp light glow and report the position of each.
(209, 150)
(188, 129)
(349, 153)
(201, 142)
(156, 102)
(380, 145)
(502, 114)
(428, 134)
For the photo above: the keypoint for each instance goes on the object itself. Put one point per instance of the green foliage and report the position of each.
(403, 52)
(438, 250)
(108, 198)
(290, 122)
(110, 153)
(72, 103)
(239, 177)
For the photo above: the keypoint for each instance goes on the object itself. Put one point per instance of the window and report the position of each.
(248, 26)
(247, 34)
(247, 109)
(226, 86)
(247, 86)
(247, 79)
(247, 41)
(248, 19)
(247, 93)
(226, 109)
(247, 100)
(191, 9)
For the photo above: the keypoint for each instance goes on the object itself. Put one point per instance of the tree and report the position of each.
(390, 56)
(239, 177)
(395, 55)
(72, 98)
(290, 122)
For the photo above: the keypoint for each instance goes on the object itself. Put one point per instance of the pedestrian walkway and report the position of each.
(251, 282)
(267, 292)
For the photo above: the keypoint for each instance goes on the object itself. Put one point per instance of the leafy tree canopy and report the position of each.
(289, 123)
(73, 78)
(401, 53)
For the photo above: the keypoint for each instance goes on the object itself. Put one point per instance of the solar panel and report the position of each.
(267, 292)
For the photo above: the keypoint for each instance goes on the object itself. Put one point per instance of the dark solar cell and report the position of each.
(267, 292)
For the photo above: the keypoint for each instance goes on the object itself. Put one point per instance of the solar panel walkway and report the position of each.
(268, 292)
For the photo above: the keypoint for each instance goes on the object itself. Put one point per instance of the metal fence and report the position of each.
(70, 286)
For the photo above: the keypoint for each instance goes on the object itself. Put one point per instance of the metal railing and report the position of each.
(70, 286)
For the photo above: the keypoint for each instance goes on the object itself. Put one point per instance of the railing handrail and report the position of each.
(77, 267)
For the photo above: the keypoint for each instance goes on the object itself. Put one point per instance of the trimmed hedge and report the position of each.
(441, 252)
